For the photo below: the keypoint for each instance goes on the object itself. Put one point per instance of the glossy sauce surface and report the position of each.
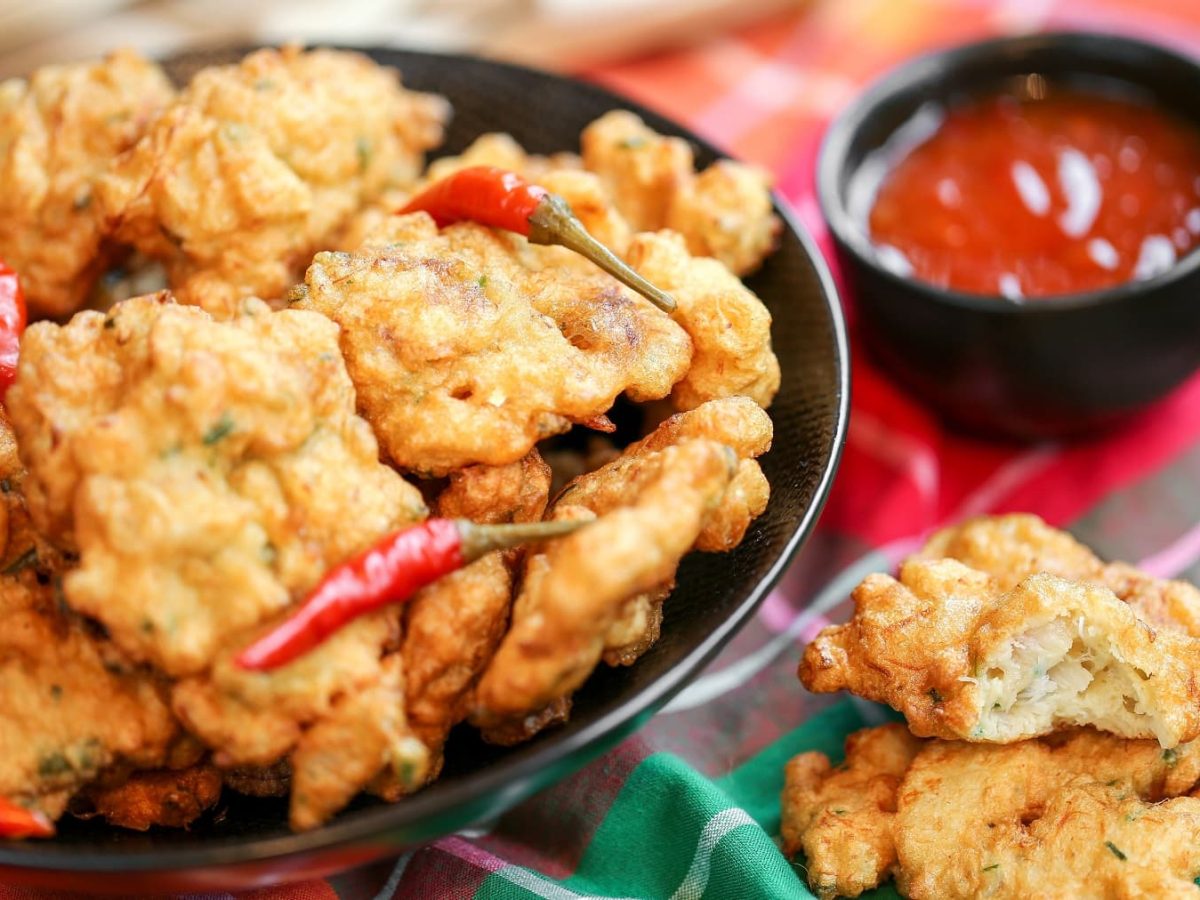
(1055, 192)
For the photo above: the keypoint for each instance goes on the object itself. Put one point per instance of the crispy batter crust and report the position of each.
(724, 212)
(963, 659)
(248, 425)
(58, 132)
(729, 326)
(462, 354)
(72, 704)
(365, 734)
(452, 627)
(161, 797)
(1088, 815)
(1014, 546)
(259, 164)
(575, 587)
(841, 818)
(1076, 814)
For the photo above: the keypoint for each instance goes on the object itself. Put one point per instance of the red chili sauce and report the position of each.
(1055, 192)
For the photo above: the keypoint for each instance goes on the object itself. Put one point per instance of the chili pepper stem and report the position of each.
(553, 222)
(478, 540)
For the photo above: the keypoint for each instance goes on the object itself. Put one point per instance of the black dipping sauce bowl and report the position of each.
(1050, 367)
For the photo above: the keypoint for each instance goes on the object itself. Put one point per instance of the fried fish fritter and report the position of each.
(58, 131)
(963, 659)
(725, 212)
(161, 797)
(575, 589)
(452, 627)
(730, 328)
(259, 164)
(366, 736)
(1081, 814)
(1091, 815)
(461, 355)
(841, 818)
(1011, 547)
(738, 423)
(202, 469)
(72, 705)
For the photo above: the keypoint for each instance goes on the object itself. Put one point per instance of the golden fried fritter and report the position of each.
(259, 164)
(58, 132)
(963, 659)
(575, 588)
(461, 355)
(255, 718)
(71, 704)
(366, 733)
(493, 495)
(452, 627)
(160, 797)
(841, 818)
(725, 212)
(1011, 547)
(738, 423)
(730, 328)
(202, 469)
(1088, 816)
(952, 819)
(274, 780)
(637, 627)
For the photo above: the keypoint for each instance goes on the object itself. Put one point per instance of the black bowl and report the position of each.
(248, 843)
(1052, 367)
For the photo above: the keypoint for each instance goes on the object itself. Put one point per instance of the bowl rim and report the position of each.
(939, 67)
(522, 766)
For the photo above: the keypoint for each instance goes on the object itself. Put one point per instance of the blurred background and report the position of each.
(549, 33)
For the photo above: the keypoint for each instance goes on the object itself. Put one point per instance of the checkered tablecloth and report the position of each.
(688, 807)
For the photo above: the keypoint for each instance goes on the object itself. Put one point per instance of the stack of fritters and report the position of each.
(317, 373)
(1059, 693)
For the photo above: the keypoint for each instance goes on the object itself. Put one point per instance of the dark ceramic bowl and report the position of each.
(247, 842)
(1051, 367)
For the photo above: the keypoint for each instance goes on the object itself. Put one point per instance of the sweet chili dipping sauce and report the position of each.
(1048, 191)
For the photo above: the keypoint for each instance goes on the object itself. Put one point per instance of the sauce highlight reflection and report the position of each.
(1055, 191)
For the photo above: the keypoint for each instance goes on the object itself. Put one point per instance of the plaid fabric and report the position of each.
(688, 807)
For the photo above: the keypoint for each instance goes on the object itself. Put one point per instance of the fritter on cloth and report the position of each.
(462, 355)
(575, 589)
(202, 469)
(1011, 547)
(58, 131)
(1088, 816)
(963, 659)
(724, 212)
(452, 627)
(841, 818)
(71, 705)
(1072, 815)
(730, 328)
(261, 163)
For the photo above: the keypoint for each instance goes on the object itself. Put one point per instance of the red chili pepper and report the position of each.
(393, 570)
(501, 199)
(12, 324)
(18, 822)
